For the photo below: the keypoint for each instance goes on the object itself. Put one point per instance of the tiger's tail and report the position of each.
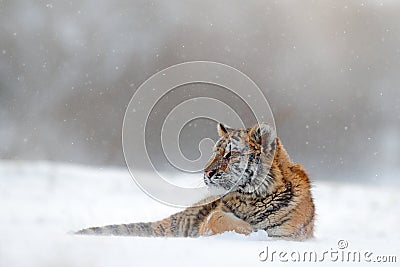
(181, 224)
(132, 229)
(165, 227)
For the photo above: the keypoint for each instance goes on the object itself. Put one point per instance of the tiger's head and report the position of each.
(241, 160)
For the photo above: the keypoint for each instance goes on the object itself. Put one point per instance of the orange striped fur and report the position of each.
(267, 192)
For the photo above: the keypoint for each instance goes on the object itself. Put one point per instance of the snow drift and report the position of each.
(42, 203)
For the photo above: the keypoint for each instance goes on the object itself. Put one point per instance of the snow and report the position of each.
(42, 203)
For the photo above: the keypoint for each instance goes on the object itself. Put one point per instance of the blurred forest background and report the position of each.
(329, 69)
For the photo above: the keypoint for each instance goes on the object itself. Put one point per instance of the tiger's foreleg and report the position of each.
(218, 222)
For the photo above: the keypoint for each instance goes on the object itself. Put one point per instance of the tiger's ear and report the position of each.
(263, 134)
(222, 130)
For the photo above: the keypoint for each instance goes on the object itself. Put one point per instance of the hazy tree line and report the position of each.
(330, 70)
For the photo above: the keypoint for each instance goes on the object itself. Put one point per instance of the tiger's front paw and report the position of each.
(218, 222)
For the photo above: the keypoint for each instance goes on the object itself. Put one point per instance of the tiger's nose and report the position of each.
(209, 174)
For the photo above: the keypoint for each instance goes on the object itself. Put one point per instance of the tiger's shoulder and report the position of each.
(286, 210)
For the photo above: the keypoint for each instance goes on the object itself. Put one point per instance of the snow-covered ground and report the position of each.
(42, 203)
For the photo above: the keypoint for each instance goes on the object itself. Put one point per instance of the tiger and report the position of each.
(255, 186)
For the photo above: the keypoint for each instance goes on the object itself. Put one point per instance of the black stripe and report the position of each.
(161, 229)
(279, 223)
(174, 225)
(309, 220)
(236, 138)
(293, 234)
(186, 226)
(249, 162)
(280, 236)
(277, 203)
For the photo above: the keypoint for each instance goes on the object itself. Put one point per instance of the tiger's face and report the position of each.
(241, 160)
